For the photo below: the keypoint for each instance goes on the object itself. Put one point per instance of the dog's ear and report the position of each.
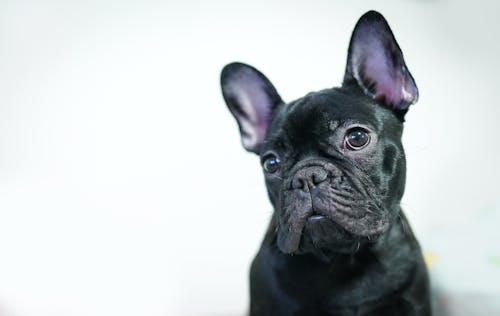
(375, 63)
(252, 100)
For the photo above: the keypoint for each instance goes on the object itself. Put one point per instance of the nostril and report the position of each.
(298, 183)
(315, 179)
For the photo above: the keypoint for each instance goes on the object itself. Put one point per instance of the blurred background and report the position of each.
(124, 189)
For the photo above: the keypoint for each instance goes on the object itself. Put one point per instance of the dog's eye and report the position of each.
(271, 163)
(356, 139)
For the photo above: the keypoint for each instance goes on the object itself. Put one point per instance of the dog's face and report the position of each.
(334, 169)
(333, 160)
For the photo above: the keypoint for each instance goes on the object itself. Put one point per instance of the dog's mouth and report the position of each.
(323, 231)
(336, 232)
(320, 233)
(332, 214)
(316, 218)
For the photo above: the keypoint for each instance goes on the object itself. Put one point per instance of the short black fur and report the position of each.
(338, 242)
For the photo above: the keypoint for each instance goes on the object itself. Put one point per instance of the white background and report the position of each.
(123, 186)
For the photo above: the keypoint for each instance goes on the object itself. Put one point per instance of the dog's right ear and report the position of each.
(252, 100)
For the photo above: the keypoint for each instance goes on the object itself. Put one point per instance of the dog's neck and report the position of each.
(337, 277)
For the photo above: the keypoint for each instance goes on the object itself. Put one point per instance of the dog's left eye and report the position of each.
(271, 163)
(356, 139)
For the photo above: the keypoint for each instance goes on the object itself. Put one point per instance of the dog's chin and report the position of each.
(321, 235)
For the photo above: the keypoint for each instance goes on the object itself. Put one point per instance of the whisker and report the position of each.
(373, 212)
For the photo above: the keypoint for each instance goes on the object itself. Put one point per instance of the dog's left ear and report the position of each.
(375, 63)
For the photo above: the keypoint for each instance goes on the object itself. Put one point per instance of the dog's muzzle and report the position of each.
(324, 205)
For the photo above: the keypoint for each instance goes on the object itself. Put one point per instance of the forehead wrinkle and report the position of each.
(326, 110)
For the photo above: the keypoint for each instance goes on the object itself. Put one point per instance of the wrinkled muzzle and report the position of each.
(325, 204)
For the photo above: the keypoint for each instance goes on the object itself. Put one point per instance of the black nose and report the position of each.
(309, 177)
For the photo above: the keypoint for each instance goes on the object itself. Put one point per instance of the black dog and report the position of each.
(338, 243)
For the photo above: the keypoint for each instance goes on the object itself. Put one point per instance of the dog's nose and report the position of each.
(309, 177)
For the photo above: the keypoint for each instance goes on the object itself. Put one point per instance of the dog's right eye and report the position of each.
(271, 163)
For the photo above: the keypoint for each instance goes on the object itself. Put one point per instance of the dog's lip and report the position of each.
(316, 217)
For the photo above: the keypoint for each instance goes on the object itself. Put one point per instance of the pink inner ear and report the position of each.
(377, 64)
(388, 83)
(251, 105)
(254, 124)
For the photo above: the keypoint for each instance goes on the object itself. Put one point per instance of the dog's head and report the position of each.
(333, 160)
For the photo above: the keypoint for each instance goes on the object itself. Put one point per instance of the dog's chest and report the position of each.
(349, 285)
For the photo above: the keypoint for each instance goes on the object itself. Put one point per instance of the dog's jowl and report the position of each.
(338, 242)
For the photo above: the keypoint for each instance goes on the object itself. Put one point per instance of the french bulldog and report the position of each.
(334, 166)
